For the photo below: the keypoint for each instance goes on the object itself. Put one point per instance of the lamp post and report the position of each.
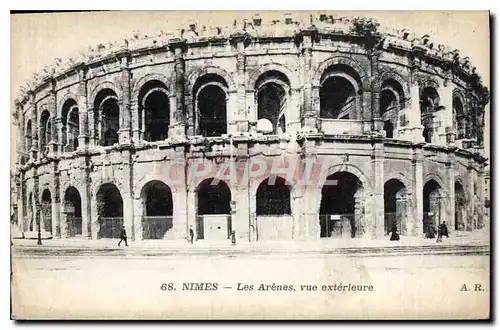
(39, 242)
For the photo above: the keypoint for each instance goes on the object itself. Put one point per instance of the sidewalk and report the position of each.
(466, 239)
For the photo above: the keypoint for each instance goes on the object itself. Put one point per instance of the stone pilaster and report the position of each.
(414, 116)
(134, 112)
(450, 182)
(59, 124)
(92, 127)
(374, 105)
(363, 213)
(469, 222)
(180, 196)
(401, 214)
(481, 196)
(18, 121)
(310, 106)
(363, 109)
(242, 117)
(36, 202)
(179, 123)
(65, 216)
(241, 187)
(56, 199)
(54, 134)
(34, 127)
(21, 202)
(128, 194)
(86, 199)
(446, 129)
(125, 117)
(138, 206)
(310, 192)
(378, 190)
(83, 121)
(191, 210)
(418, 192)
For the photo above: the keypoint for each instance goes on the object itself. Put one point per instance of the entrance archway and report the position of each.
(73, 212)
(433, 207)
(394, 206)
(214, 210)
(46, 219)
(110, 211)
(273, 207)
(157, 213)
(338, 208)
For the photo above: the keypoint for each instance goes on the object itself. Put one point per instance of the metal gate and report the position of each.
(110, 227)
(338, 225)
(155, 227)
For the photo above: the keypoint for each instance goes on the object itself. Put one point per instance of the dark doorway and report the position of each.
(337, 209)
(110, 211)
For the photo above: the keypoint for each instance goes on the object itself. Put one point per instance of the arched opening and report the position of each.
(157, 213)
(389, 129)
(106, 117)
(272, 97)
(46, 211)
(273, 198)
(210, 100)
(73, 212)
(394, 206)
(338, 93)
(391, 103)
(460, 207)
(429, 104)
(388, 101)
(71, 126)
(459, 118)
(45, 131)
(214, 206)
(109, 211)
(154, 111)
(29, 136)
(433, 208)
(274, 210)
(338, 209)
(337, 99)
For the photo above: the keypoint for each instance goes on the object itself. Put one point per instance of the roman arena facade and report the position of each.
(132, 133)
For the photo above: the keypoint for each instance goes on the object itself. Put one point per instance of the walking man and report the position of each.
(123, 236)
(191, 234)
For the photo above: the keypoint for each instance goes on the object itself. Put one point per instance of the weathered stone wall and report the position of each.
(304, 55)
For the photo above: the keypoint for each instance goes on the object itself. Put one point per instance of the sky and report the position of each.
(36, 39)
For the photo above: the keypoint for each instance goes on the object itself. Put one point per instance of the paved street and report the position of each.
(130, 285)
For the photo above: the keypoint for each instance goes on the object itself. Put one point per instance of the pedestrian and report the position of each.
(430, 232)
(191, 234)
(444, 230)
(394, 234)
(123, 236)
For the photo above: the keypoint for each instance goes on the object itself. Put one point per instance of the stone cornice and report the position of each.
(322, 25)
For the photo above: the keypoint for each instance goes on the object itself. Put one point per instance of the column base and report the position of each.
(177, 132)
(417, 133)
(124, 136)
